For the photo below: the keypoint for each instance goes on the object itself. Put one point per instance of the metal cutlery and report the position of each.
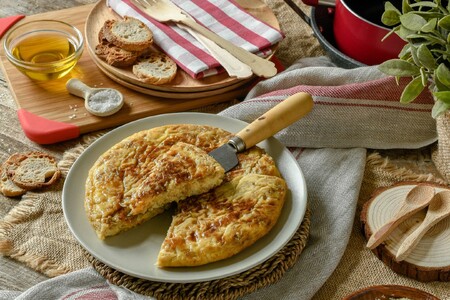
(231, 64)
(280, 116)
(162, 11)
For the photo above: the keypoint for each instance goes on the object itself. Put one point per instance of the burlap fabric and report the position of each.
(441, 155)
(359, 267)
(36, 226)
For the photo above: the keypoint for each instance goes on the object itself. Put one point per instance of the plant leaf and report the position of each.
(388, 6)
(439, 86)
(390, 18)
(443, 96)
(412, 21)
(406, 50)
(398, 67)
(427, 37)
(430, 26)
(439, 108)
(444, 22)
(414, 55)
(429, 14)
(406, 8)
(404, 32)
(442, 74)
(424, 4)
(424, 76)
(425, 57)
(412, 90)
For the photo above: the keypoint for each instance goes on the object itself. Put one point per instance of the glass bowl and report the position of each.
(44, 49)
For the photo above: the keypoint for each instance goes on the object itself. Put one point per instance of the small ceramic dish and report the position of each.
(44, 49)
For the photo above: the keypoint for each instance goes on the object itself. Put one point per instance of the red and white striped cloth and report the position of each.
(224, 17)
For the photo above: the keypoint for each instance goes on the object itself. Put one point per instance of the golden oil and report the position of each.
(46, 54)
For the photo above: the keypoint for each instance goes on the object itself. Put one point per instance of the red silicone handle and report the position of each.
(8, 22)
(44, 131)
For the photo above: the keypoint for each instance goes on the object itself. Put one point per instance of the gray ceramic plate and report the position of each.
(134, 252)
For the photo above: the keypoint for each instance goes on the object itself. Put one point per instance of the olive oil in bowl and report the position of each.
(44, 54)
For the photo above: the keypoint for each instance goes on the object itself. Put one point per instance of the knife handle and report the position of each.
(281, 116)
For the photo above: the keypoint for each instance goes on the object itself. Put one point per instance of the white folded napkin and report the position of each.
(224, 17)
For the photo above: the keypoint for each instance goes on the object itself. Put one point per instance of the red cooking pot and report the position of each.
(358, 30)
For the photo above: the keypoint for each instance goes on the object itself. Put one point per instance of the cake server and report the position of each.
(282, 115)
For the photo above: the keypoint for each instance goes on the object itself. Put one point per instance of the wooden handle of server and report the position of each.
(279, 117)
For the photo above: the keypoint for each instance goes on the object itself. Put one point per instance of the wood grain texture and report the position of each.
(430, 259)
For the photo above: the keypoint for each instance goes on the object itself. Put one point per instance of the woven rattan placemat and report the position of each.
(231, 287)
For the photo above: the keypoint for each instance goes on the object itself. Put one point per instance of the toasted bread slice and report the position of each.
(115, 56)
(155, 68)
(129, 34)
(33, 170)
(7, 186)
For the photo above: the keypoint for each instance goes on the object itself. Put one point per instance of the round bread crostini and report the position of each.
(7, 186)
(129, 34)
(23, 172)
(34, 170)
(155, 68)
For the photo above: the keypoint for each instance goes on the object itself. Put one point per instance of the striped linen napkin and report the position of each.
(224, 17)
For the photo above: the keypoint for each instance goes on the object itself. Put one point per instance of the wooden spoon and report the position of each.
(418, 198)
(439, 209)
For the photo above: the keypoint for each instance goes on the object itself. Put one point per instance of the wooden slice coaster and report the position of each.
(430, 259)
(229, 288)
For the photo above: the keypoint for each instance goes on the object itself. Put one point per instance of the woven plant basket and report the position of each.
(441, 155)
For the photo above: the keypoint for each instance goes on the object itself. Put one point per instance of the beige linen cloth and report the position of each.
(335, 262)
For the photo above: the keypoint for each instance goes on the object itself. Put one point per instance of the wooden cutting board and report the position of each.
(49, 114)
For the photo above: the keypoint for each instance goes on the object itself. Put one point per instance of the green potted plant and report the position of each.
(425, 26)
